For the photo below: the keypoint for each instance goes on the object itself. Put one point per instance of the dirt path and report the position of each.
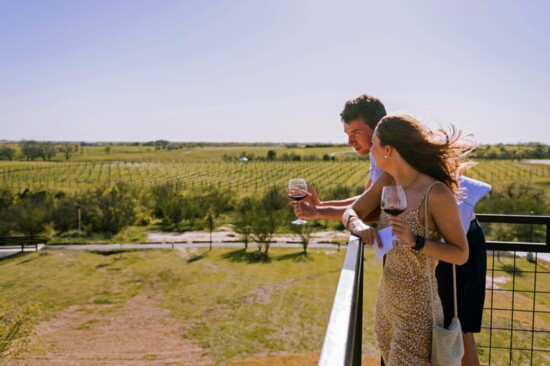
(225, 235)
(139, 333)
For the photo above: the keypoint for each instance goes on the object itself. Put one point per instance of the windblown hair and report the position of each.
(366, 106)
(440, 154)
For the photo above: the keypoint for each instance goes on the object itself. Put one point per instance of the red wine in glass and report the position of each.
(297, 195)
(393, 200)
(297, 190)
(393, 211)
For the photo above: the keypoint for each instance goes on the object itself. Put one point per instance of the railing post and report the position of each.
(355, 334)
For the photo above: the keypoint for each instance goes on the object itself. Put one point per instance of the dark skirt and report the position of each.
(470, 283)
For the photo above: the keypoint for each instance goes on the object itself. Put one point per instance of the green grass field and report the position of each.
(235, 307)
(238, 308)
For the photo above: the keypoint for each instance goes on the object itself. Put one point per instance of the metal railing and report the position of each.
(343, 339)
(516, 319)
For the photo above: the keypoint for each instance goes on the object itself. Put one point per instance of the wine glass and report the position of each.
(393, 200)
(297, 190)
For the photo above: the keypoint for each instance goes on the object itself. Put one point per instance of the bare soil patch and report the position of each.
(138, 333)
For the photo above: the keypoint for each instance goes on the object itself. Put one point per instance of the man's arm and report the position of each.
(305, 210)
(333, 210)
(339, 203)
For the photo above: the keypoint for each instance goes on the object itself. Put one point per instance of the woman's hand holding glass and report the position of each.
(402, 230)
(394, 202)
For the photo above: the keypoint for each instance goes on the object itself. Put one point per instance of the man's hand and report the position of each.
(312, 197)
(305, 210)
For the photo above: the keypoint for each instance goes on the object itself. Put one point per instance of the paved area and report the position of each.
(196, 239)
(10, 252)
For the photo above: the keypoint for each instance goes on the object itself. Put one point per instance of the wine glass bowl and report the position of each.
(393, 200)
(297, 190)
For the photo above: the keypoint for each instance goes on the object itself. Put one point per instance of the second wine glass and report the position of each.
(297, 190)
(393, 200)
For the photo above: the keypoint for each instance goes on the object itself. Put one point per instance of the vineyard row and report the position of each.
(240, 177)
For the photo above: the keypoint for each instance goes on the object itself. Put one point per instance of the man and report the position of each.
(360, 117)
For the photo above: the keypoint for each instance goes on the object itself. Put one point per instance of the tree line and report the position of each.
(106, 211)
(35, 150)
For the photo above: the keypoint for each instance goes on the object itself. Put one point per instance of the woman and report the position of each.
(422, 161)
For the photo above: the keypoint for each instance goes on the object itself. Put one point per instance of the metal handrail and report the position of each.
(518, 219)
(343, 339)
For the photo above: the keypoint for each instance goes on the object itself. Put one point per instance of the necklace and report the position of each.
(411, 183)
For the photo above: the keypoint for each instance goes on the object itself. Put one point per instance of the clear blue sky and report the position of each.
(270, 70)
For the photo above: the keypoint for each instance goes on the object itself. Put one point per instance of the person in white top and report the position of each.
(360, 117)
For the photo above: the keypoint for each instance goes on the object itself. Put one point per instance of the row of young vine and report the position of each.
(239, 177)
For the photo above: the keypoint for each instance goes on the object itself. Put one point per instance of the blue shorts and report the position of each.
(470, 284)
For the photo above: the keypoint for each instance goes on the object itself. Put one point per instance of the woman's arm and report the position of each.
(366, 203)
(443, 211)
(370, 199)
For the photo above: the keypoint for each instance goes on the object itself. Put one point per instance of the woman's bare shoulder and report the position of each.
(441, 193)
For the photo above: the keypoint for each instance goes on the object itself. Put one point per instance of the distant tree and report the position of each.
(6, 201)
(31, 211)
(539, 152)
(108, 149)
(64, 213)
(162, 143)
(30, 150)
(514, 199)
(269, 217)
(110, 210)
(245, 213)
(67, 150)
(271, 155)
(210, 222)
(7, 152)
(47, 150)
(170, 204)
(304, 234)
(264, 226)
(219, 200)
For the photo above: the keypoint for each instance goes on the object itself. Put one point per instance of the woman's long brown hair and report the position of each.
(440, 154)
